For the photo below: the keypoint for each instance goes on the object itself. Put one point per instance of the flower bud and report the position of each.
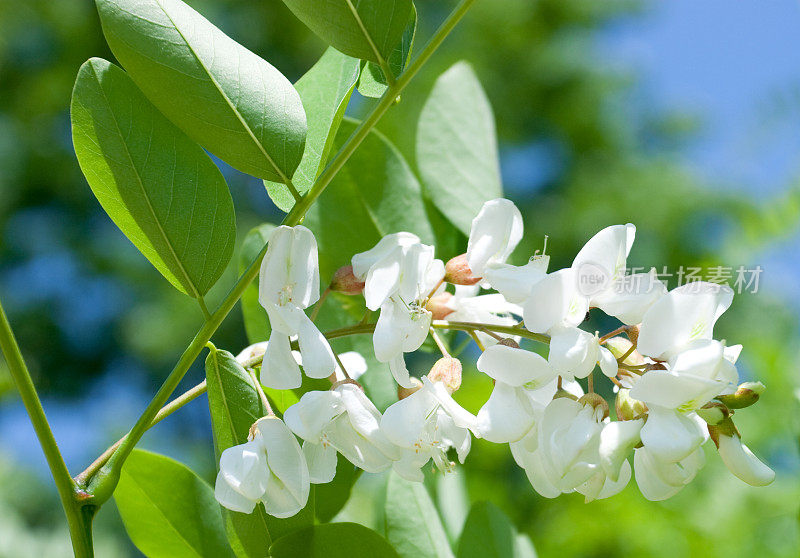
(595, 400)
(561, 392)
(438, 306)
(737, 457)
(403, 392)
(457, 272)
(747, 394)
(345, 282)
(508, 342)
(725, 427)
(448, 371)
(714, 412)
(620, 346)
(627, 407)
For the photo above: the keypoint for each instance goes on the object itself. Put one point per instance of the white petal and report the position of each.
(244, 468)
(682, 315)
(274, 271)
(515, 367)
(743, 463)
(383, 279)
(617, 440)
(607, 250)
(387, 337)
(650, 483)
(281, 501)
(631, 296)
(611, 487)
(316, 409)
(516, 282)
(608, 364)
(231, 499)
(397, 366)
(404, 421)
(672, 391)
(670, 436)
(318, 359)
(354, 363)
(539, 478)
(461, 417)
(254, 350)
(304, 268)
(507, 416)
(409, 466)
(279, 369)
(495, 232)
(573, 352)
(285, 459)
(365, 260)
(555, 301)
(285, 318)
(321, 460)
(360, 451)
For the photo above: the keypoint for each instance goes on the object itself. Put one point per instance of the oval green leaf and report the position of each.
(325, 91)
(372, 82)
(412, 524)
(156, 184)
(487, 533)
(333, 540)
(456, 146)
(366, 29)
(169, 511)
(224, 96)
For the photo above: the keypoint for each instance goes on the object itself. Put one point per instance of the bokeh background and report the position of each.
(681, 116)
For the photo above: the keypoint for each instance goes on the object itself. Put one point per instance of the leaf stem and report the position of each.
(204, 308)
(164, 412)
(440, 343)
(290, 185)
(295, 216)
(320, 302)
(80, 531)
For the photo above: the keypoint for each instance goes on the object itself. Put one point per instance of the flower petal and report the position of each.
(285, 459)
(515, 367)
(617, 440)
(507, 416)
(670, 436)
(321, 460)
(516, 282)
(554, 301)
(318, 359)
(231, 499)
(279, 369)
(495, 232)
(743, 463)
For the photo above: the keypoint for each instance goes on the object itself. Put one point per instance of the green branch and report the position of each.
(81, 542)
(103, 483)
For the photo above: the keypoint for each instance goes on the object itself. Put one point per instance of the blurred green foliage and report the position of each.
(82, 297)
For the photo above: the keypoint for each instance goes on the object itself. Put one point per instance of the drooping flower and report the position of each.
(289, 283)
(468, 305)
(575, 352)
(524, 384)
(658, 479)
(270, 468)
(424, 426)
(342, 419)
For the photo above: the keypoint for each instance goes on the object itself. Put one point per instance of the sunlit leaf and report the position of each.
(367, 29)
(168, 510)
(225, 97)
(325, 91)
(487, 533)
(457, 146)
(156, 184)
(412, 524)
(372, 82)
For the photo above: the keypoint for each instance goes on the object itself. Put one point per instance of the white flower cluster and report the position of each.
(676, 386)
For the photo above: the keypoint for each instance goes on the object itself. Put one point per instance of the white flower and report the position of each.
(555, 302)
(424, 426)
(270, 468)
(574, 354)
(524, 384)
(495, 232)
(344, 420)
(658, 479)
(742, 462)
(399, 265)
(469, 306)
(684, 314)
(289, 283)
(563, 455)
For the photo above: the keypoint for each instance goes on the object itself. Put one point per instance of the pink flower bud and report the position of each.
(345, 282)
(457, 272)
(438, 306)
(448, 371)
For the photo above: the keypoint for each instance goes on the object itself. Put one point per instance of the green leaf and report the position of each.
(168, 510)
(235, 406)
(487, 533)
(325, 91)
(332, 497)
(225, 97)
(412, 524)
(453, 502)
(456, 146)
(366, 29)
(372, 82)
(157, 185)
(333, 540)
(256, 324)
